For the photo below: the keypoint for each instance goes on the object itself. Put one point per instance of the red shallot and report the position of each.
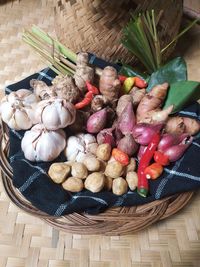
(174, 153)
(97, 121)
(143, 132)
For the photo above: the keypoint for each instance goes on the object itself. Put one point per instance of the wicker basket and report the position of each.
(114, 221)
(96, 26)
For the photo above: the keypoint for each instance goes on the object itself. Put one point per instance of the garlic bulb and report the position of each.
(55, 113)
(17, 109)
(40, 144)
(79, 146)
(27, 97)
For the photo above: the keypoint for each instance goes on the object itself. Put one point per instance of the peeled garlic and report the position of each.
(55, 113)
(40, 144)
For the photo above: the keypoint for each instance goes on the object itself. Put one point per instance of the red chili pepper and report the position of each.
(92, 88)
(140, 83)
(122, 78)
(86, 101)
(120, 156)
(153, 171)
(143, 185)
(161, 158)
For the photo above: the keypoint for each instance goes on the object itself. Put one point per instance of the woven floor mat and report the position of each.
(26, 241)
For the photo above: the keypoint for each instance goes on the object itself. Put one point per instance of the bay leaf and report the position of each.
(181, 94)
(174, 71)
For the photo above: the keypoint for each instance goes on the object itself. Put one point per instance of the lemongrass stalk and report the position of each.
(61, 48)
(40, 45)
(62, 69)
(156, 41)
(53, 59)
(179, 35)
(67, 62)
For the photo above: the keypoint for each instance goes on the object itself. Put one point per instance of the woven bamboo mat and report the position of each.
(26, 241)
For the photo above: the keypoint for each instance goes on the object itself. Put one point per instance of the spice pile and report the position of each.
(103, 125)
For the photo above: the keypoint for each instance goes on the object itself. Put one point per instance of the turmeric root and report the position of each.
(137, 95)
(109, 84)
(83, 71)
(149, 108)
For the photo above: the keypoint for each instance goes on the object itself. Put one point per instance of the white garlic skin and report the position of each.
(17, 109)
(55, 113)
(39, 144)
(79, 146)
(15, 115)
(26, 96)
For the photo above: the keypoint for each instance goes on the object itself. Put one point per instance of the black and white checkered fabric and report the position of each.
(33, 182)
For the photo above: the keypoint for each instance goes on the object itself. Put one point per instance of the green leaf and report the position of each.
(174, 71)
(130, 72)
(181, 94)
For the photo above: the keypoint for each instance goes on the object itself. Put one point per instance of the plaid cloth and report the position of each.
(33, 182)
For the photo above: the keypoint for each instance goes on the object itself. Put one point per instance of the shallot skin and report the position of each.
(97, 121)
(175, 152)
(169, 140)
(105, 136)
(143, 132)
(127, 120)
(128, 145)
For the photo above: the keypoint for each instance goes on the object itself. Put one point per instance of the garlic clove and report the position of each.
(6, 111)
(23, 122)
(80, 157)
(50, 117)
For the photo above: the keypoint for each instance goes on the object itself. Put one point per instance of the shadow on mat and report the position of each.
(3, 2)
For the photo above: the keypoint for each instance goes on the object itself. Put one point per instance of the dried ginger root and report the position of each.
(192, 126)
(175, 125)
(66, 88)
(109, 84)
(179, 125)
(41, 89)
(63, 87)
(83, 71)
(98, 102)
(149, 109)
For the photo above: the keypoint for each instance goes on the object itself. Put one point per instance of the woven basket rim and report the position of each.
(114, 221)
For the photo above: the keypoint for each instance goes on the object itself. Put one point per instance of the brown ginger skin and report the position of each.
(98, 102)
(192, 126)
(66, 88)
(149, 108)
(42, 90)
(175, 125)
(179, 125)
(137, 95)
(109, 84)
(83, 71)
